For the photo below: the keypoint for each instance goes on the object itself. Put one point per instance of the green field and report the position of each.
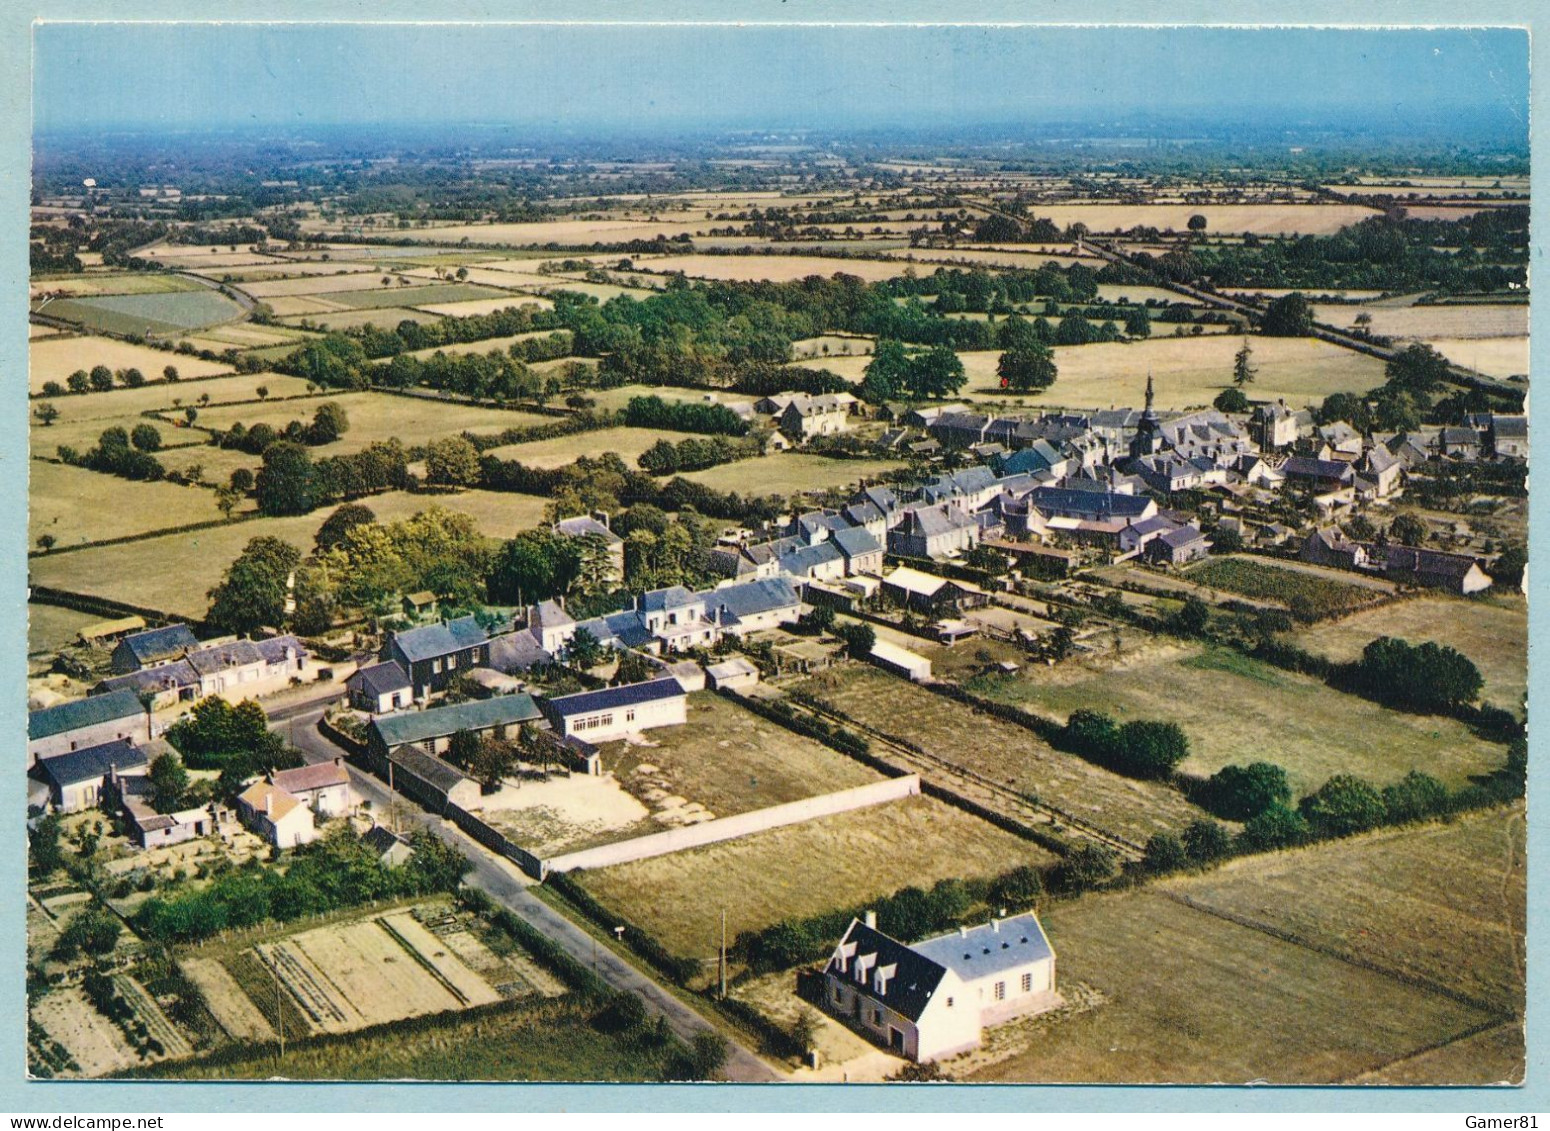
(1003, 752)
(174, 572)
(786, 473)
(1189, 998)
(1237, 710)
(163, 313)
(75, 505)
(1308, 595)
(628, 443)
(409, 296)
(798, 870)
(51, 627)
(375, 417)
(1494, 636)
(1376, 899)
(731, 760)
(1190, 372)
(116, 283)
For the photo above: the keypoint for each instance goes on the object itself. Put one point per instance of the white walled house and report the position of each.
(324, 788)
(281, 819)
(82, 723)
(933, 999)
(613, 712)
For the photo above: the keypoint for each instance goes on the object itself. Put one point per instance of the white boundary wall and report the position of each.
(743, 824)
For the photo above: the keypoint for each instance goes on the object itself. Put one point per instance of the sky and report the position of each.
(642, 77)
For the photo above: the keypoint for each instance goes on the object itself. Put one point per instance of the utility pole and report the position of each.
(723, 953)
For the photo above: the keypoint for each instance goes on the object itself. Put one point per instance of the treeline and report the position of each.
(683, 416)
(696, 453)
(335, 872)
(290, 483)
(329, 422)
(118, 452)
(1380, 253)
(909, 914)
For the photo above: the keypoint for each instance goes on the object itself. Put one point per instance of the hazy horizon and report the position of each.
(1460, 84)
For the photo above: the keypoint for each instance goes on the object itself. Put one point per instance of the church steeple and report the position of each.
(1149, 412)
(1148, 439)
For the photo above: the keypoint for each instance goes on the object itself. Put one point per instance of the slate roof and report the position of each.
(625, 627)
(380, 679)
(585, 524)
(1510, 427)
(1317, 468)
(273, 650)
(438, 722)
(854, 541)
(989, 948)
(382, 840)
(661, 600)
(168, 677)
(89, 764)
(1427, 563)
(803, 561)
(160, 643)
(942, 519)
(222, 657)
(607, 698)
(751, 598)
(92, 710)
(420, 763)
(1103, 504)
(436, 640)
(1181, 536)
(915, 978)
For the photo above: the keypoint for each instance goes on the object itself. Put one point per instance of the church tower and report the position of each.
(1148, 440)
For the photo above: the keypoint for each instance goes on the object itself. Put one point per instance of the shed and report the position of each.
(901, 661)
(732, 674)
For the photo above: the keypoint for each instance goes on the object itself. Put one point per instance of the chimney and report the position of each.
(268, 802)
(870, 919)
(602, 516)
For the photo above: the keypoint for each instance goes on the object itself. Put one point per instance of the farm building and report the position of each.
(927, 593)
(423, 777)
(324, 788)
(150, 829)
(732, 674)
(901, 661)
(420, 604)
(613, 712)
(433, 728)
(1435, 569)
(1330, 547)
(76, 779)
(380, 688)
(152, 647)
(435, 654)
(277, 816)
(83, 723)
(105, 630)
(934, 999)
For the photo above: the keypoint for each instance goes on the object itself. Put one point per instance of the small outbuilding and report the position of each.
(732, 674)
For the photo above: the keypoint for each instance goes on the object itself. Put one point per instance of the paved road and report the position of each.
(504, 882)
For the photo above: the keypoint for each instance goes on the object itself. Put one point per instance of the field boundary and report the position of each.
(737, 825)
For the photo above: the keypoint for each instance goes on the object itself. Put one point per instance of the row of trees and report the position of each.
(892, 374)
(120, 452)
(329, 422)
(665, 457)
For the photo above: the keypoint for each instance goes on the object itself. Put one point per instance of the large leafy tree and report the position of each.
(1241, 792)
(1343, 805)
(253, 593)
(1029, 368)
(887, 374)
(452, 461)
(533, 566)
(1289, 316)
(285, 484)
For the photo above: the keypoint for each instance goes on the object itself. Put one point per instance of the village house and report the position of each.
(235, 670)
(613, 712)
(272, 813)
(753, 606)
(82, 723)
(434, 727)
(1275, 426)
(379, 688)
(596, 526)
(821, 561)
(1328, 546)
(676, 617)
(933, 999)
(1092, 506)
(804, 417)
(1178, 546)
(1321, 475)
(941, 531)
(861, 549)
(76, 780)
(324, 788)
(433, 656)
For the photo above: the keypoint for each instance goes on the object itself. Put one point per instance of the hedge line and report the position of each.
(642, 942)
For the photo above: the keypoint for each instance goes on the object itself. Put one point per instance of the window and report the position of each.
(1000, 991)
(949, 1003)
(1027, 983)
(877, 1016)
(436, 666)
(836, 995)
(629, 715)
(451, 662)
